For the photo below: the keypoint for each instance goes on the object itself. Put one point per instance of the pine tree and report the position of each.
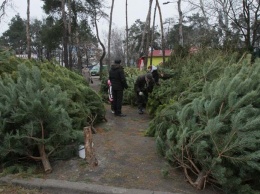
(216, 135)
(34, 121)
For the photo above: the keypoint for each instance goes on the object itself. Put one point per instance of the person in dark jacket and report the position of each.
(153, 70)
(143, 86)
(118, 81)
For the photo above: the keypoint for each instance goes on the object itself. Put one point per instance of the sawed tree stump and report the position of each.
(89, 150)
(44, 158)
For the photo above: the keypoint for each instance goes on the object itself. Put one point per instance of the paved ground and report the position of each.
(126, 160)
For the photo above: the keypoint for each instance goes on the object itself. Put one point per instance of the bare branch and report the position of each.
(3, 8)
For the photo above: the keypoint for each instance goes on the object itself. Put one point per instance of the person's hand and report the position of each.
(141, 93)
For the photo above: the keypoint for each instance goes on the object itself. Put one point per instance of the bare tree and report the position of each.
(146, 28)
(180, 23)
(219, 9)
(28, 36)
(117, 45)
(101, 44)
(109, 32)
(70, 34)
(3, 6)
(126, 21)
(152, 38)
(223, 15)
(247, 21)
(65, 37)
(146, 50)
(161, 22)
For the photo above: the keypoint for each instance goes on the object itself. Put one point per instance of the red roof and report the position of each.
(159, 53)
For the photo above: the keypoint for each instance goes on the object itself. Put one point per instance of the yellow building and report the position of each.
(157, 56)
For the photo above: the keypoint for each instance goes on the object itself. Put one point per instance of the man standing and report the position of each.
(143, 86)
(118, 81)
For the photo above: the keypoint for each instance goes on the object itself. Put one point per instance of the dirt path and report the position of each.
(126, 158)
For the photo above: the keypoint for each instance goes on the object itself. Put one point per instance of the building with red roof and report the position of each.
(157, 56)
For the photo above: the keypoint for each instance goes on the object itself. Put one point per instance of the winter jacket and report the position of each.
(142, 86)
(117, 77)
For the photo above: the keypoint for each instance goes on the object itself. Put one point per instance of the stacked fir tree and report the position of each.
(43, 109)
(216, 136)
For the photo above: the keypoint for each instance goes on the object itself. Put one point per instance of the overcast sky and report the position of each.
(137, 9)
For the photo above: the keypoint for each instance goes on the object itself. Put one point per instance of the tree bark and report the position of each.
(126, 18)
(180, 23)
(154, 16)
(65, 37)
(102, 45)
(145, 31)
(109, 33)
(29, 51)
(89, 150)
(161, 22)
(44, 159)
(146, 50)
(200, 181)
(79, 53)
(69, 35)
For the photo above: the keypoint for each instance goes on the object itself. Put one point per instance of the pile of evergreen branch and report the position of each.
(189, 76)
(43, 109)
(215, 135)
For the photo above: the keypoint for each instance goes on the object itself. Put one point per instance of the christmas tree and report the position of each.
(216, 136)
(34, 121)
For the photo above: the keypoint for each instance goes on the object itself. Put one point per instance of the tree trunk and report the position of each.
(146, 50)
(161, 22)
(69, 35)
(145, 31)
(180, 23)
(79, 53)
(109, 34)
(29, 52)
(89, 150)
(200, 181)
(44, 158)
(154, 16)
(65, 37)
(103, 48)
(126, 18)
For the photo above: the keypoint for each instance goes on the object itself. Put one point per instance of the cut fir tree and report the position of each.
(216, 137)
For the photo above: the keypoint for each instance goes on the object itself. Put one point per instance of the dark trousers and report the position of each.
(117, 101)
(141, 100)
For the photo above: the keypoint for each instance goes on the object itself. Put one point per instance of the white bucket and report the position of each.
(82, 151)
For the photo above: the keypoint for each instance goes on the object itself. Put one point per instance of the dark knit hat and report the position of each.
(117, 61)
(149, 76)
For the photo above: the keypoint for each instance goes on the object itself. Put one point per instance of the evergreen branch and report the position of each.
(215, 144)
(183, 164)
(235, 158)
(30, 137)
(221, 107)
(35, 158)
(226, 149)
(41, 123)
(53, 150)
(190, 160)
(92, 120)
(188, 177)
